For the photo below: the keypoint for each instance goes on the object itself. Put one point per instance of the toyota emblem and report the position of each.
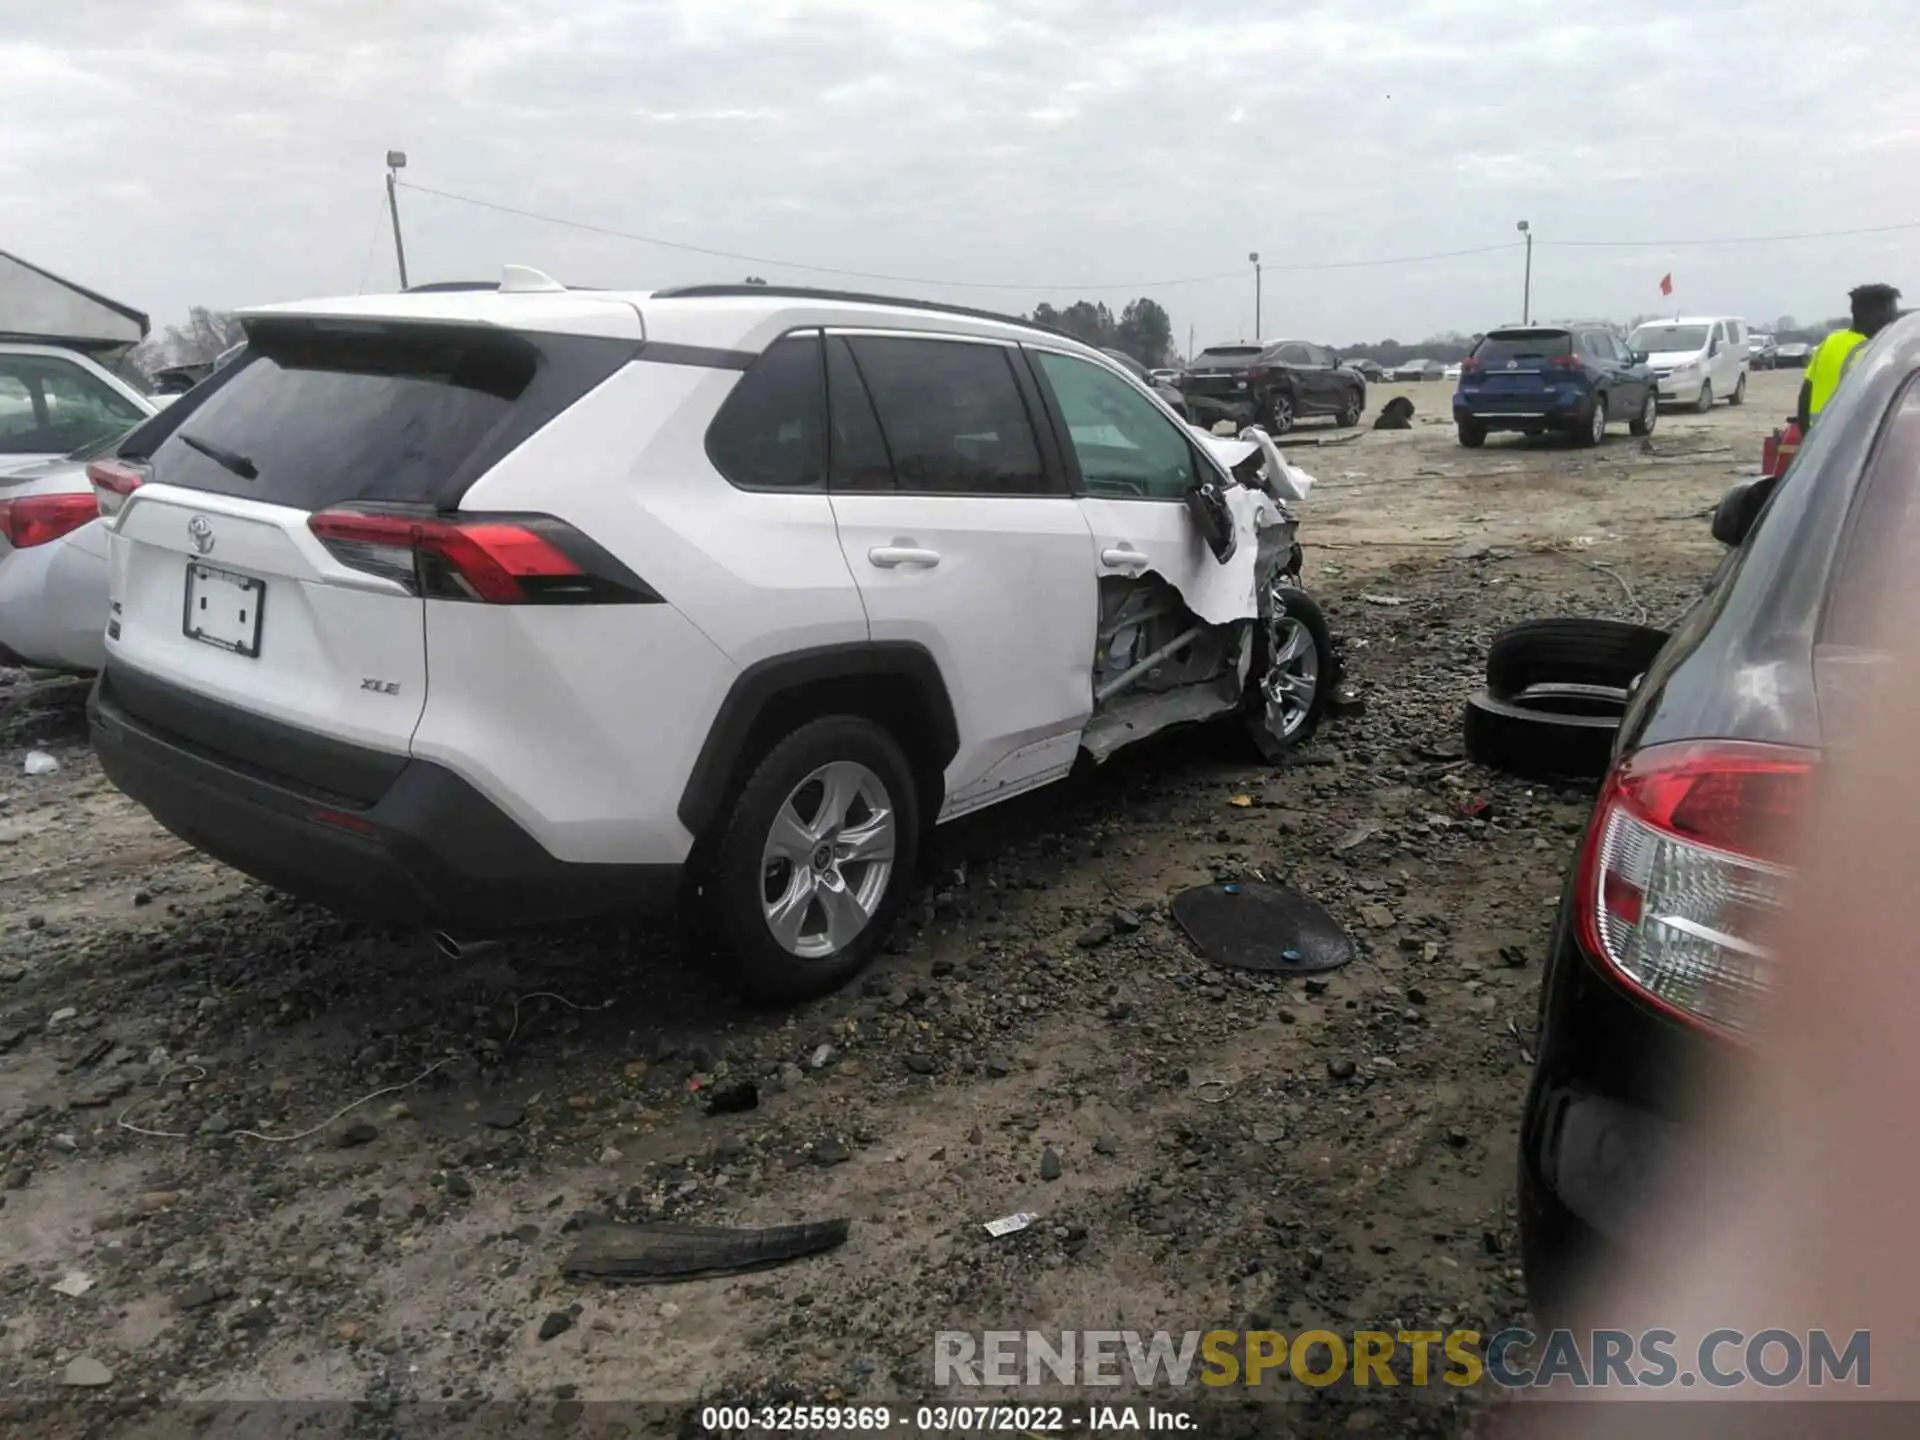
(200, 531)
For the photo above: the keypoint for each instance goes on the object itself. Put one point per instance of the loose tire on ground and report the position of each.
(1538, 744)
(734, 885)
(1569, 652)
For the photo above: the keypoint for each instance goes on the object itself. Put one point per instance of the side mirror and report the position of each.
(1739, 508)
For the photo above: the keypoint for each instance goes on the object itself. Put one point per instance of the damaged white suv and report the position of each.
(493, 605)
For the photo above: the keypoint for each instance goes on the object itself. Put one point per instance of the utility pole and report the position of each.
(396, 161)
(1257, 326)
(1526, 295)
(1190, 350)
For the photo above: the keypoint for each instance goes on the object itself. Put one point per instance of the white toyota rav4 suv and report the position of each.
(487, 606)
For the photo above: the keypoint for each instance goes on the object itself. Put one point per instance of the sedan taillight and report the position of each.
(1682, 879)
(40, 519)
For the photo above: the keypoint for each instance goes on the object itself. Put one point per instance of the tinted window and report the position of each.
(1125, 446)
(1295, 355)
(857, 451)
(771, 432)
(51, 406)
(1505, 345)
(329, 417)
(952, 416)
(1225, 355)
(1684, 339)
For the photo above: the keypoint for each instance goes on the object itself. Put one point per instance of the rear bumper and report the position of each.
(431, 850)
(53, 604)
(1522, 412)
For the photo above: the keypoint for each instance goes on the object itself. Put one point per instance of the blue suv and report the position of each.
(1576, 379)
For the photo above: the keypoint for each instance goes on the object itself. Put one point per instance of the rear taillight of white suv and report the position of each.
(113, 481)
(1684, 875)
(491, 559)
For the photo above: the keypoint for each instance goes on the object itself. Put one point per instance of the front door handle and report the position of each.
(1124, 557)
(889, 557)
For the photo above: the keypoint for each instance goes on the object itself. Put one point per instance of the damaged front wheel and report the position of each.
(1292, 676)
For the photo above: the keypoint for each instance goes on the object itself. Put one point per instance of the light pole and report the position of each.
(1526, 294)
(1255, 258)
(396, 161)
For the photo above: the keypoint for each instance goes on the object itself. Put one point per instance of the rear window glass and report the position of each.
(323, 418)
(952, 415)
(771, 434)
(1227, 354)
(1504, 345)
(1662, 339)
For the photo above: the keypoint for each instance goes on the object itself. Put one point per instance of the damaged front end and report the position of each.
(1236, 637)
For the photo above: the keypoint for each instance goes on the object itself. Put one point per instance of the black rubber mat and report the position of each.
(1254, 926)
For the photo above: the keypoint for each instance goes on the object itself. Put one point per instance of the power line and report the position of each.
(1734, 239)
(1076, 287)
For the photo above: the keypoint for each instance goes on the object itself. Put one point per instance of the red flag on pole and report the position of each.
(1666, 283)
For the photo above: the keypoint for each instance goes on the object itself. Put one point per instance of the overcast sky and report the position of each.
(227, 152)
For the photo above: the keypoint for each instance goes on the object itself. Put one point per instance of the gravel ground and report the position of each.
(1206, 1148)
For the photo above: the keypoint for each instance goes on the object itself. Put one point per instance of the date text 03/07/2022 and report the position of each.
(1018, 1420)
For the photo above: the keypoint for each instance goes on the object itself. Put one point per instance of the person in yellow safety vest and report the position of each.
(1874, 308)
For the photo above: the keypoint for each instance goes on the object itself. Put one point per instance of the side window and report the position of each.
(771, 432)
(1295, 355)
(1125, 446)
(857, 457)
(49, 406)
(952, 416)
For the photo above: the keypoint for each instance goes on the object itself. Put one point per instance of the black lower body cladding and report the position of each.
(429, 850)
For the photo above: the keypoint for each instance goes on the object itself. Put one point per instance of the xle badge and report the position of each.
(381, 687)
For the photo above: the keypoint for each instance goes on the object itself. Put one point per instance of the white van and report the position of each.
(1697, 359)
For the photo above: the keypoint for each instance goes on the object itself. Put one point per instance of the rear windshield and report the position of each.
(1227, 354)
(325, 417)
(1504, 345)
(1654, 339)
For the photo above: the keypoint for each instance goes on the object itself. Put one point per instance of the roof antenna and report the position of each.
(525, 280)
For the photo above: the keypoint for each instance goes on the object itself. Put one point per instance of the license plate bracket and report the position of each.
(224, 609)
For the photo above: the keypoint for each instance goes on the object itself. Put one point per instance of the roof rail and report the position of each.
(852, 297)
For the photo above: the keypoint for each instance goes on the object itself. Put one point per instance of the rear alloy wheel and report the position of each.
(1705, 402)
(1279, 413)
(1596, 429)
(1349, 415)
(1739, 396)
(1649, 415)
(816, 859)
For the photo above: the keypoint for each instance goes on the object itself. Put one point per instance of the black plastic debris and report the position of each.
(664, 1253)
(1254, 926)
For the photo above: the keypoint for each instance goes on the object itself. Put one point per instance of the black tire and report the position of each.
(1649, 416)
(1705, 403)
(733, 885)
(1570, 652)
(1593, 429)
(1472, 436)
(1739, 396)
(1280, 412)
(1350, 409)
(1538, 744)
(1302, 607)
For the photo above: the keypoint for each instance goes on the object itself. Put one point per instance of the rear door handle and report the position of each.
(1124, 557)
(889, 557)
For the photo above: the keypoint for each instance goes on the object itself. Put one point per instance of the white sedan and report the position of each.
(53, 564)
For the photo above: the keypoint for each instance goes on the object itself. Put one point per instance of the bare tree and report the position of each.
(205, 335)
